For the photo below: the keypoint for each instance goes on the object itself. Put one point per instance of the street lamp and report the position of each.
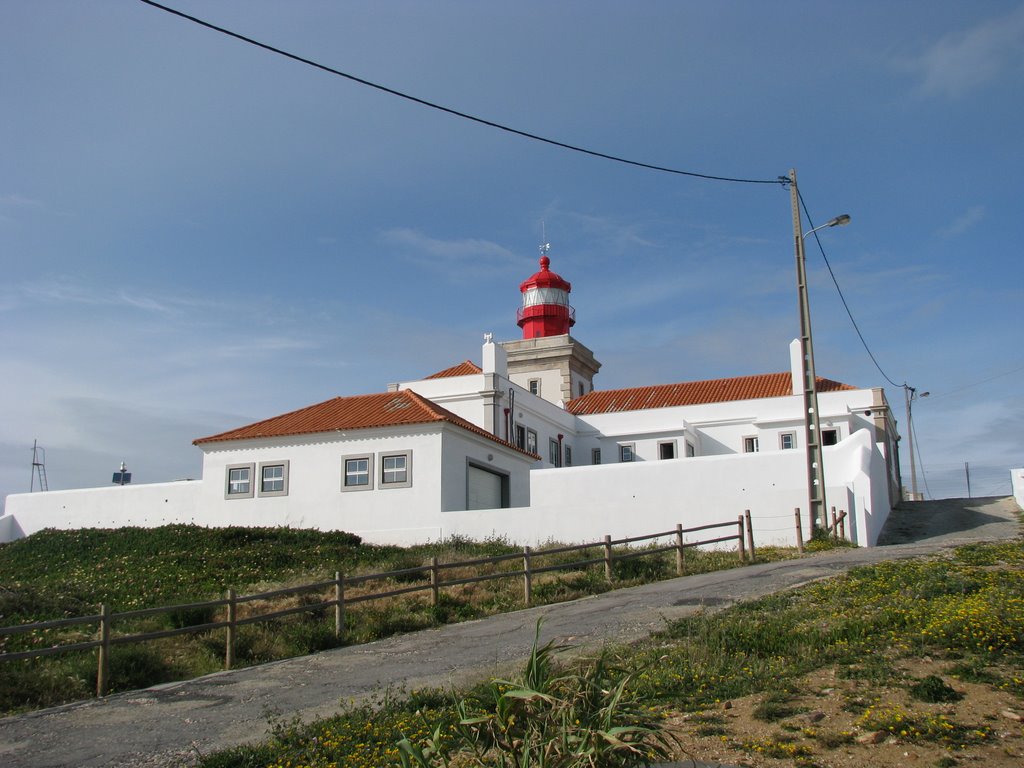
(911, 395)
(812, 425)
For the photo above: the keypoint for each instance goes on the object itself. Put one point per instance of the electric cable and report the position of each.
(455, 112)
(977, 383)
(917, 450)
(841, 296)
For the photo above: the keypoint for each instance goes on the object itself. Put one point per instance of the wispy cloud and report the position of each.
(15, 200)
(444, 255)
(64, 291)
(960, 62)
(264, 346)
(964, 222)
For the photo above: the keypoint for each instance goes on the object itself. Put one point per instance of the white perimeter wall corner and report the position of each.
(1017, 482)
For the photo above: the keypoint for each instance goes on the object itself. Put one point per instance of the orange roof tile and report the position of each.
(693, 393)
(386, 409)
(466, 368)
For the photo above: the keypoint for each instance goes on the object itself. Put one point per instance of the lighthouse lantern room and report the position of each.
(545, 310)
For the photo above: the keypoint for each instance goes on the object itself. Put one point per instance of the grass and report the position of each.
(59, 574)
(969, 605)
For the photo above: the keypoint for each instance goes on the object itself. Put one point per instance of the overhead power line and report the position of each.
(455, 112)
(842, 297)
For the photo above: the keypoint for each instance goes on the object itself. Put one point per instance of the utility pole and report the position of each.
(812, 425)
(910, 394)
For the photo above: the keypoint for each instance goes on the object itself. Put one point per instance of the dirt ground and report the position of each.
(822, 727)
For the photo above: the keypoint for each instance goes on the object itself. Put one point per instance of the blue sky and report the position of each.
(196, 233)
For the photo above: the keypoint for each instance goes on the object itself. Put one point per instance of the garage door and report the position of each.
(483, 488)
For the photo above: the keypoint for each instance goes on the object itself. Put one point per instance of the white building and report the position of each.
(523, 447)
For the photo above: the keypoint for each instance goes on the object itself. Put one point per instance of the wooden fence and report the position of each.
(433, 573)
(837, 530)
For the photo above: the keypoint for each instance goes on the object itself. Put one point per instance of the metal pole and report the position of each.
(812, 425)
(908, 394)
(967, 471)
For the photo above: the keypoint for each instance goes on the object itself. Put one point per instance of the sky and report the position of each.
(196, 233)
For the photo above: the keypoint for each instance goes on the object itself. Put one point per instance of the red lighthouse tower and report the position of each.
(545, 310)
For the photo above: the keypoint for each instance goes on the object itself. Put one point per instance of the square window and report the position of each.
(595, 456)
(829, 436)
(667, 450)
(396, 469)
(626, 452)
(274, 478)
(357, 473)
(750, 445)
(238, 482)
(787, 441)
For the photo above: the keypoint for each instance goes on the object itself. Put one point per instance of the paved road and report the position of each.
(170, 725)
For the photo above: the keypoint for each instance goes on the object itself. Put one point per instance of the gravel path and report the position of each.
(172, 725)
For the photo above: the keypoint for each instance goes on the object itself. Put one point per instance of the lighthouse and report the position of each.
(545, 311)
(547, 361)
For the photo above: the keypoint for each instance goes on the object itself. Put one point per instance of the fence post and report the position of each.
(103, 668)
(742, 549)
(799, 532)
(339, 605)
(750, 535)
(835, 524)
(608, 557)
(680, 561)
(229, 639)
(433, 581)
(527, 578)
(842, 524)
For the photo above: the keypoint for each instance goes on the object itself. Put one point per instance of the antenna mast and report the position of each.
(38, 468)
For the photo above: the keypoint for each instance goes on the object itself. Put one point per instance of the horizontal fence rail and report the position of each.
(532, 563)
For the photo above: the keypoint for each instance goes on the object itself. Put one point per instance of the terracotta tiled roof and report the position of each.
(466, 368)
(693, 393)
(387, 409)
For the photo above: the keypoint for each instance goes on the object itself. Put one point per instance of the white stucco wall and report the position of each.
(585, 503)
(1017, 483)
(315, 498)
(115, 506)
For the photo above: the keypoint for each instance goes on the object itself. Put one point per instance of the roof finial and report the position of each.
(544, 247)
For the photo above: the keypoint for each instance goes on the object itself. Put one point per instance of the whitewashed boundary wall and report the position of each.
(1017, 482)
(572, 504)
(143, 506)
(580, 503)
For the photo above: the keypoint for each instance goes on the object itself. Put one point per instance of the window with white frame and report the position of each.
(829, 436)
(520, 441)
(535, 387)
(667, 449)
(357, 473)
(690, 450)
(595, 456)
(568, 455)
(238, 481)
(627, 451)
(396, 469)
(531, 441)
(273, 478)
(750, 445)
(554, 453)
(787, 441)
